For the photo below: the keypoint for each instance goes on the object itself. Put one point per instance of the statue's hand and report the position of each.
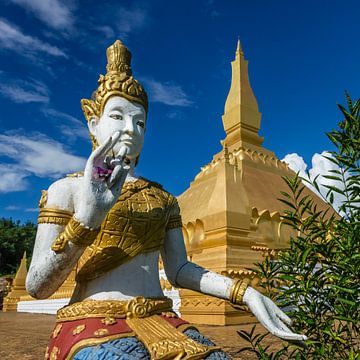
(101, 184)
(270, 316)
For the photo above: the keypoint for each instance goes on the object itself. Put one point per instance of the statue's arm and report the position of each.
(185, 274)
(49, 269)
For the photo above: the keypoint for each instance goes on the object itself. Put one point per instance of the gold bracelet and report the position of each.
(75, 232)
(238, 290)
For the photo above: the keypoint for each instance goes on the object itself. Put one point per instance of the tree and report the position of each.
(15, 238)
(318, 277)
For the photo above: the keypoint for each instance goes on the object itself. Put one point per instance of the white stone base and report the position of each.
(48, 306)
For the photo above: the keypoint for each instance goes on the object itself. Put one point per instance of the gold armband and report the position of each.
(174, 222)
(75, 232)
(237, 291)
(54, 216)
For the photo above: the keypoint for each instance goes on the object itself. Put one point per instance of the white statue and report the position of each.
(116, 225)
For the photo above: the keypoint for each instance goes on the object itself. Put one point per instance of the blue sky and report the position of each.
(302, 56)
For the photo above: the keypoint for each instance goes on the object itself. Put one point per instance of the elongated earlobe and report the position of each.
(92, 125)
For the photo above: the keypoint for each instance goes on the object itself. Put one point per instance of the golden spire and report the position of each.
(241, 117)
(20, 277)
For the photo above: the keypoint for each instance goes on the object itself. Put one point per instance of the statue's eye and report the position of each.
(140, 123)
(116, 116)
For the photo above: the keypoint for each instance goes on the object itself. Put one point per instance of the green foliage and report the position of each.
(15, 238)
(318, 277)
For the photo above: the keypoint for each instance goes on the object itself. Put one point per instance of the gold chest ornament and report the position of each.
(136, 224)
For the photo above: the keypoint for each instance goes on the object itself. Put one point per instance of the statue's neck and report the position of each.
(131, 176)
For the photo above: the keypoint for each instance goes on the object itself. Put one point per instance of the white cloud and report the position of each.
(168, 94)
(56, 14)
(12, 179)
(72, 127)
(319, 166)
(130, 20)
(34, 154)
(106, 30)
(11, 37)
(25, 91)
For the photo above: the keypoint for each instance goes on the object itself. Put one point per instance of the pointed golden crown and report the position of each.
(117, 81)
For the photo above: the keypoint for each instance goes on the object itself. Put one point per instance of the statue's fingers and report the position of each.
(289, 336)
(118, 176)
(103, 149)
(118, 160)
(279, 313)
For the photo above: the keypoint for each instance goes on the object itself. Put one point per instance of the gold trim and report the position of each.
(54, 216)
(237, 291)
(91, 342)
(57, 330)
(75, 232)
(43, 198)
(164, 341)
(174, 223)
(136, 308)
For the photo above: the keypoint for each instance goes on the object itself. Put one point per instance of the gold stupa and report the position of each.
(237, 209)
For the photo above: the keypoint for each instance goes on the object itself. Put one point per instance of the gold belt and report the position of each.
(138, 307)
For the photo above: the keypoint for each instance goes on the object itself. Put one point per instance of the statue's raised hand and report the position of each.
(270, 316)
(101, 184)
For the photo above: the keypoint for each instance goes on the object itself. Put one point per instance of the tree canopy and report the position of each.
(15, 238)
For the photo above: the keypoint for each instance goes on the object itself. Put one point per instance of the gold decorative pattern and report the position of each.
(76, 233)
(101, 332)
(164, 341)
(135, 224)
(237, 291)
(174, 222)
(109, 320)
(54, 353)
(202, 301)
(57, 330)
(79, 329)
(43, 199)
(138, 307)
(117, 81)
(47, 353)
(54, 216)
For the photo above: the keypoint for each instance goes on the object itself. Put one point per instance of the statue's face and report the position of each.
(121, 115)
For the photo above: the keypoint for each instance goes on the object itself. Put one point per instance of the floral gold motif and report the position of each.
(47, 353)
(109, 320)
(54, 353)
(79, 329)
(57, 330)
(101, 332)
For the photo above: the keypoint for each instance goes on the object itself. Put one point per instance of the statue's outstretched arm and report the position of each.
(185, 274)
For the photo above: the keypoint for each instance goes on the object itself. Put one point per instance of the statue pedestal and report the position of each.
(201, 309)
(47, 306)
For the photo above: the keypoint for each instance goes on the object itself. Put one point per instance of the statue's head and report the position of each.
(120, 103)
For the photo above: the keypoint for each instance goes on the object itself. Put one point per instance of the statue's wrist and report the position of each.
(74, 232)
(237, 291)
(90, 219)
